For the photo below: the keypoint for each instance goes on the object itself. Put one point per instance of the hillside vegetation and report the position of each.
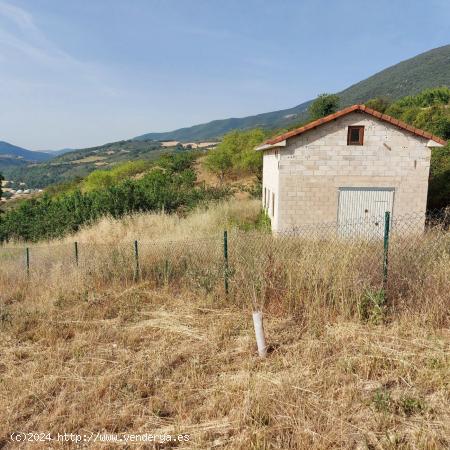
(430, 111)
(170, 182)
(78, 164)
(15, 153)
(427, 70)
(97, 347)
(169, 186)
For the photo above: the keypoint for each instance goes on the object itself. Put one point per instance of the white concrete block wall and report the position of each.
(308, 172)
(270, 186)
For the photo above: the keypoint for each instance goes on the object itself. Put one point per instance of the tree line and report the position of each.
(169, 186)
(428, 110)
(170, 182)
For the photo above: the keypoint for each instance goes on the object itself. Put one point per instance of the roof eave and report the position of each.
(264, 147)
(432, 143)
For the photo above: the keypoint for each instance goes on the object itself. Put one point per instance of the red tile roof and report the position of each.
(348, 110)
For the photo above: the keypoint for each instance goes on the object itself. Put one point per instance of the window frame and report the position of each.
(360, 128)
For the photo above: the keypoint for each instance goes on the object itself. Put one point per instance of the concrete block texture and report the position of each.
(306, 175)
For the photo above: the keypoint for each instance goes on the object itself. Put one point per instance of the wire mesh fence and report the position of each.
(332, 262)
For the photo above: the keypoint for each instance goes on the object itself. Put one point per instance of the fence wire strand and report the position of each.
(329, 260)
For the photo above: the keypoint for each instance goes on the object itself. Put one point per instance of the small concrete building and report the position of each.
(353, 165)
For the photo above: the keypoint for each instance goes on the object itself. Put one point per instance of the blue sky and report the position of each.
(78, 73)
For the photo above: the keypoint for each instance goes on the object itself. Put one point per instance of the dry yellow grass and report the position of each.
(204, 221)
(90, 349)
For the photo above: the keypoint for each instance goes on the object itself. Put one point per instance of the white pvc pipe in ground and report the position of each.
(259, 332)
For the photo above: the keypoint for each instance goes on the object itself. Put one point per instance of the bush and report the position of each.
(169, 188)
(324, 105)
(378, 104)
(439, 185)
(427, 111)
(236, 154)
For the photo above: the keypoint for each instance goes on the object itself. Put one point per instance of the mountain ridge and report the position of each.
(408, 77)
(427, 70)
(12, 151)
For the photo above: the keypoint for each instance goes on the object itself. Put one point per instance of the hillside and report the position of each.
(217, 128)
(406, 78)
(79, 163)
(429, 69)
(14, 155)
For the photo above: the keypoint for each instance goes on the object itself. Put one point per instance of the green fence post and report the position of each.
(225, 256)
(76, 253)
(166, 272)
(136, 259)
(387, 221)
(28, 261)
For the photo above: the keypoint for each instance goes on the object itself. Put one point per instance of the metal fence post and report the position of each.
(166, 272)
(225, 256)
(76, 253)
(136, 258)
(387, 220)
(28, 261)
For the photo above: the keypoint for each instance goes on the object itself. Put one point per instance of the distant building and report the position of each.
(169, 143)
(196, 145)
(353, 165)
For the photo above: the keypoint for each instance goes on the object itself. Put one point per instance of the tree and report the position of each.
(324, 105)
(1, 180)
(246, 159)
(171, 187)
(236, 153)
(436, 120)
(99, 179)
(439, 187)
(219, 161)
(379, 104)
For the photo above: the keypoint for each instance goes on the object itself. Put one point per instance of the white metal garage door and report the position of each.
(361, 210)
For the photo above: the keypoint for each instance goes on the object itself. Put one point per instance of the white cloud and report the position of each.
(18, 15)
(22, 42)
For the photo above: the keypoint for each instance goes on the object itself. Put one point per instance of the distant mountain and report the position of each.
(10, 151)
(409, 77)
(217, 128)
(429, 69)
(79, 163)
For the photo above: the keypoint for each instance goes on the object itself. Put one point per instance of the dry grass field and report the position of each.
(96, 348)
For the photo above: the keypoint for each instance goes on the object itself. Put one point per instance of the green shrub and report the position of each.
(324, 105)
(170, 188)
(236, 154)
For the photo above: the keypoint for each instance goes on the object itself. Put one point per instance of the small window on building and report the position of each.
(265, 198)
(355, 135)
(273, 204)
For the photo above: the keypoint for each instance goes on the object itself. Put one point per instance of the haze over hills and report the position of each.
(54, 153)
(39, 169)
(13, 152)
(79, 163)
(426, 70)
(14, 156)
